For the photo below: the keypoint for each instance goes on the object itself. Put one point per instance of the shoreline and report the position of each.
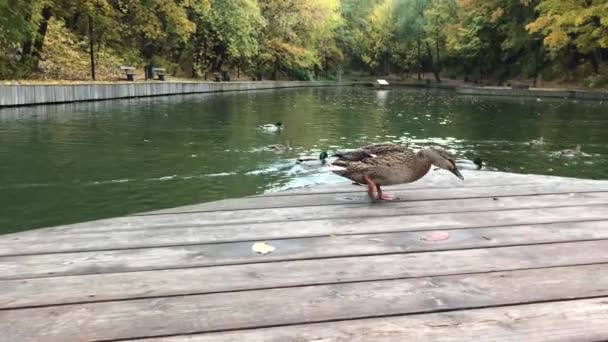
(44, 94)
(19, 95)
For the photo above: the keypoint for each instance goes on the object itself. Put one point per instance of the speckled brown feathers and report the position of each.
(387, 164)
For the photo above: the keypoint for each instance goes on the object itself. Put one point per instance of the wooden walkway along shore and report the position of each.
(525, 259)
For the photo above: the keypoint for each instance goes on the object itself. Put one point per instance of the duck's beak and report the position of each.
(457, 173)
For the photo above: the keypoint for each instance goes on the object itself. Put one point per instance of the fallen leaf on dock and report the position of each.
(436, 236)
(262, 248)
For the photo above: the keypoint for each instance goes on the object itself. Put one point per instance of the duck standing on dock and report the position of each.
(271, 127)
(388, 164)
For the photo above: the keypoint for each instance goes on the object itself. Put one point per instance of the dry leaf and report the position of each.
(436, 236)
(262, 248)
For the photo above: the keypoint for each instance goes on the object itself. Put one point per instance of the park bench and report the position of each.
(129, 71)
(160, 72)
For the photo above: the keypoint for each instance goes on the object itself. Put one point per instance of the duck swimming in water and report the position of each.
(571, 152)
(272, 127)
(278, 148)
(465, 164)
(313, 161)
(388, 164)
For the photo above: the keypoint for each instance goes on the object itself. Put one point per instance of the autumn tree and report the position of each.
(581, 26)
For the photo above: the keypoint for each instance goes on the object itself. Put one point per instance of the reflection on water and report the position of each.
(76, 162)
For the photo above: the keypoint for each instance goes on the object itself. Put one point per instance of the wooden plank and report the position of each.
(103, 287)
(129, 260)
(248, 309)
(407, 195)
(326, 212)
(188, 233)
(574, 320)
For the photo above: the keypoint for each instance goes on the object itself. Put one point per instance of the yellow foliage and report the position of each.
(497, 14)
(66, 57)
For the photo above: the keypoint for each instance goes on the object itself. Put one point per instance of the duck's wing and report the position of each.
(353, 155)
(346, 168)
(380, 149)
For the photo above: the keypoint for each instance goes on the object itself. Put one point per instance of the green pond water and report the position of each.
(68, 163)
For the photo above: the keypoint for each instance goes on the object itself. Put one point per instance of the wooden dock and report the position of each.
(497, 257)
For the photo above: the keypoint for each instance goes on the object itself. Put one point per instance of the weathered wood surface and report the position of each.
(129, 260)
(307, 304)
(360, 197)
(114, 286)
(525, 259)
(172, 232)
(566, 321)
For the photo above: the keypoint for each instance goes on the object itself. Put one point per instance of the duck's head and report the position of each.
(477, 161)
(323, 156)
(278, 124)
(442, 159)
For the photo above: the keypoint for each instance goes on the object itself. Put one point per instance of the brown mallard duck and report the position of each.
(389, 164)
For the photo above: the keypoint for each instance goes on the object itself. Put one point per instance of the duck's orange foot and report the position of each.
(387, 197)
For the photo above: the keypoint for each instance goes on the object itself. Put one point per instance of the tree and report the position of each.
(440, 17)
(378, 39)
(578, 24)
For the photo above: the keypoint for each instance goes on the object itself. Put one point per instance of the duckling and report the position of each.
(313, 161)
(272, 127)
(539, 142)
(571, 152)
(465, 164)
(388, 164)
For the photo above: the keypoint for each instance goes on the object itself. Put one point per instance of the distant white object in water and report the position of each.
(538, 142)
(465, 164)
(271, 127)
(571, 152)
(538, 99)
(382, 82)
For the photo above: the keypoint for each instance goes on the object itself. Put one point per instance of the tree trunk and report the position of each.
(593, 58)
(438, 58)
(33, 47)
(276, 68)
(47, 13)
(433, 65)
(418, 59)
(91, 50)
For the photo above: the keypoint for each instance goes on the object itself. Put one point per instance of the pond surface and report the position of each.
(78, 162)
